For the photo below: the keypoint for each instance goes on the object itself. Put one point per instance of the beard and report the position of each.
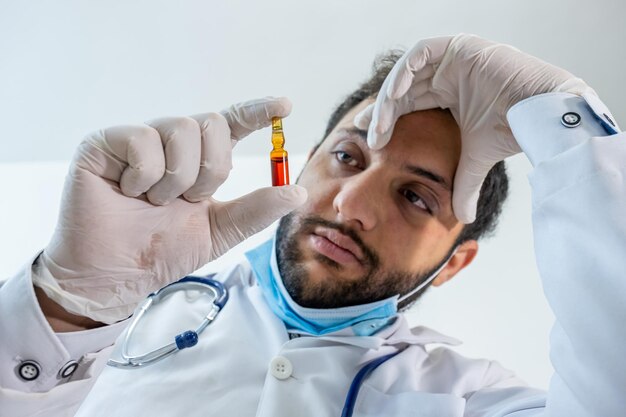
(375, 284)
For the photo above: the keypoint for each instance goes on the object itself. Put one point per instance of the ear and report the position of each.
(464, 255)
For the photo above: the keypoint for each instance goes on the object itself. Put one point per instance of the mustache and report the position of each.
(309, 223)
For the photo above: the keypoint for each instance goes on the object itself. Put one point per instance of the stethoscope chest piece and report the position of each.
(189, 338)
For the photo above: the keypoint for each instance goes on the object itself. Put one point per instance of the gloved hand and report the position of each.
(137, 211)
(479, 81)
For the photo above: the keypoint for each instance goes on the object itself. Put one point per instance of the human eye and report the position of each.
(414, 199)
(345, 158)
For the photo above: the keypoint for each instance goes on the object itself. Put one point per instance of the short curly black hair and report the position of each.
(495, 188)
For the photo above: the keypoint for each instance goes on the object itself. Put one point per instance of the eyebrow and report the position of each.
(353, 131)
(414, 169)
(424, 173)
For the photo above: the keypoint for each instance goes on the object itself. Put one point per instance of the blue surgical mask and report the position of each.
(364, 319)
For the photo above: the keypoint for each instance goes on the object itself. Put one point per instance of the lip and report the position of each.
(336, 246)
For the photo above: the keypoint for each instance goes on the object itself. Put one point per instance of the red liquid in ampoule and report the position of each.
(278, 155)
(280, 170)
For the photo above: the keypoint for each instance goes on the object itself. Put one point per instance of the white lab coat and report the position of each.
(580, 236)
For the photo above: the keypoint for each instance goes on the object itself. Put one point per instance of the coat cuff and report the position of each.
(27, 336)
(549, 124)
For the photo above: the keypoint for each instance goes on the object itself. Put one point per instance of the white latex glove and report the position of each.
(137, 211)
(479, 81)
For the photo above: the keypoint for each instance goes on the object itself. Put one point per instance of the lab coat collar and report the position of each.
(396, 333)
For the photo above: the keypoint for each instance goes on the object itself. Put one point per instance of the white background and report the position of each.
(68, 67)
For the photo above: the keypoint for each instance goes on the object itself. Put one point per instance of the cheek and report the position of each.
(413, 248)
(320, 201)
(320, 186)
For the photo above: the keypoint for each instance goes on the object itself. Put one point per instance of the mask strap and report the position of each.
(429, 279)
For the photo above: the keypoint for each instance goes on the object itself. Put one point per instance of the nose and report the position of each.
(358, 202)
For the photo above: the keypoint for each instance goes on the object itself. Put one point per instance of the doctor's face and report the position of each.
(376, 223)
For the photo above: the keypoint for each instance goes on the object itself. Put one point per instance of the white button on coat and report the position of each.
(281, 367)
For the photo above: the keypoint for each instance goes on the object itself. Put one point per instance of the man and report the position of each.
(311, 325)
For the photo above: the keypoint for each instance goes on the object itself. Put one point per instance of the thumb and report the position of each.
(469, 178)
(235, 220)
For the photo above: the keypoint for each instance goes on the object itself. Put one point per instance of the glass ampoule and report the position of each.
(278, 155)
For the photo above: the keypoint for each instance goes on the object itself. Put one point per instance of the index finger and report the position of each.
(244, 118)
(416, 65)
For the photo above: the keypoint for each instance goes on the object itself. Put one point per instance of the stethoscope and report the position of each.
(189, 338)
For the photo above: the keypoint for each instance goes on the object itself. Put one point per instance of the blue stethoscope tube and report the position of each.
(355, 386)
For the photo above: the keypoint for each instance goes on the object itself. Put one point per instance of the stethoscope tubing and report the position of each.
(355, 386)
(181, 341)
